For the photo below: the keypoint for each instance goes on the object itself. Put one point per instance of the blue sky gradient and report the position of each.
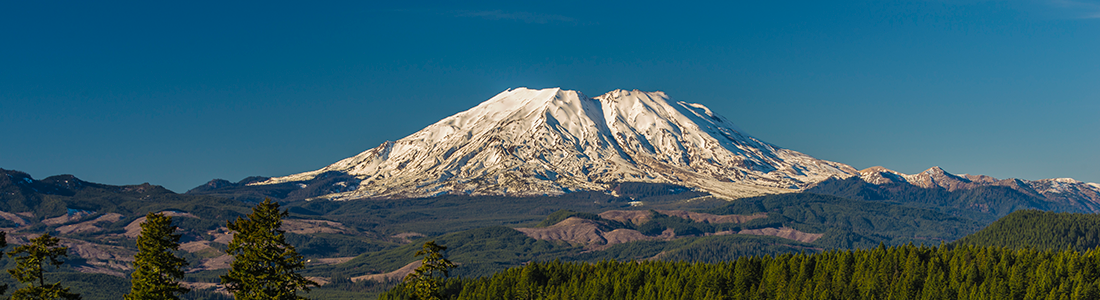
(178, 94)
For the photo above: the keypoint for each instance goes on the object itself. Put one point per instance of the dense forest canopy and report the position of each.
(1041, 230)
(902, 272)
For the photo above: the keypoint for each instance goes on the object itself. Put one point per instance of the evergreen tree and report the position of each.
(30, 263)
(264, 265)
(3, 244)
(426, 279)
(157, 270)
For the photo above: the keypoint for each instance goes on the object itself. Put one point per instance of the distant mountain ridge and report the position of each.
(1060, 194)
(937, 177)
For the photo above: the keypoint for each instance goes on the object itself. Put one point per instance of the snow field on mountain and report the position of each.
(552, 141)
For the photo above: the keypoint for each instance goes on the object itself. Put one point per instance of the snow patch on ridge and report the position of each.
(1066, 190)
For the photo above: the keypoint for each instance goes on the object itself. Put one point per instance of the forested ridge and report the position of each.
(982, 203)
(1041, 230)
(851, 223)
(901, 272)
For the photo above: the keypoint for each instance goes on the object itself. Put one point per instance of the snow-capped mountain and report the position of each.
(552, 141)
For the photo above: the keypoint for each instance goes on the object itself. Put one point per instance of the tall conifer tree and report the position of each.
(3, 244)
(30, 262)
(157, 270)
(426, 280)
(264, 265)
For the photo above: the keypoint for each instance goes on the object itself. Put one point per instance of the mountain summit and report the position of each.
(526, 142)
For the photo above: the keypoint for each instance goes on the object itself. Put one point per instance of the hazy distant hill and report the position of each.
(247, 190)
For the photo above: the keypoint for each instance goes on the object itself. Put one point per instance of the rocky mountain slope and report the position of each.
(527, 142)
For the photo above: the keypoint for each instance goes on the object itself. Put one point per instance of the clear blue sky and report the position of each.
(178, 94)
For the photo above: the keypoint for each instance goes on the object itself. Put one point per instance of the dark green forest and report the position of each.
(901, 272)
(1040, 230)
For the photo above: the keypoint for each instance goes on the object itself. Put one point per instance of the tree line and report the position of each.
(264, 265)
(901, 272)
